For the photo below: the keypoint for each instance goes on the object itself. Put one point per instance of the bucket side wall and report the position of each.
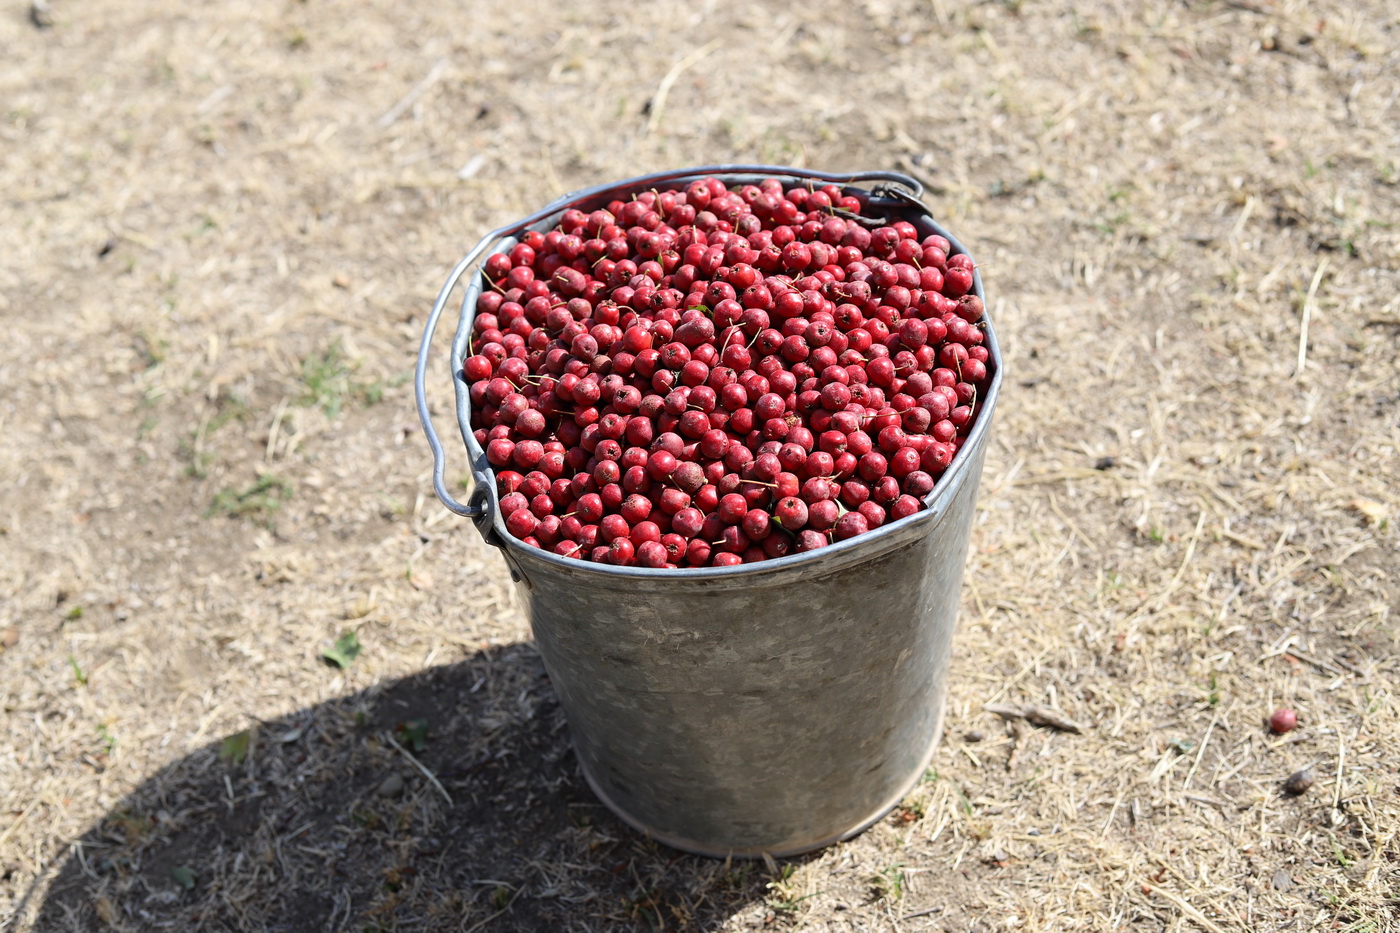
(770, 718)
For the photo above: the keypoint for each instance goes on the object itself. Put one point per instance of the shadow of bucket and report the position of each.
(771, 708)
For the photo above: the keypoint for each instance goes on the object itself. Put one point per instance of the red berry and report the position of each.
(791, 513)
(476, 368)
(661, 464)
(635, 508)
(613, 527)
(850, 525)
(645, 531)
(521, 522)
(874, 513)
(621, 552)
(822, 514)
(757, 524)
(499, 452)
(652, 554)
(904, 506)
(688, 521)
(1283, 720)
(697, 552)
(957, 281)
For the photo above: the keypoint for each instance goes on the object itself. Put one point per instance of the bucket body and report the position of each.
(776, 710)
(770, 708)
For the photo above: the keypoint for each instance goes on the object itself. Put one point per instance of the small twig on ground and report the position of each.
(1112, 812)
(432, 778)
(411, 98)
(1019, 730)
(1250, 8)
(1191, 912)
(335, 912)
(1210, 801)
(1349, 666)
(658, 100)
(1036, 715)
(1307, 317)
(923, 913)
(1029, 666)
(1378, 857)
(271, 450)
(509, 904)
(1337, 791)
(1185, 561)
(33, 804)
(1314, 661)
(1200, 752)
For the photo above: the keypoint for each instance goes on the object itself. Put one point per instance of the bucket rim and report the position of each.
(876, 541)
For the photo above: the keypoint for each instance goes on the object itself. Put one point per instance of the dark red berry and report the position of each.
(850, 525)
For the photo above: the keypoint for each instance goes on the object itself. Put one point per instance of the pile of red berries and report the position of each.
(709, 377)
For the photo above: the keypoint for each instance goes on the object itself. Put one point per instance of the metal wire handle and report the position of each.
(512, 229)
(420, 376)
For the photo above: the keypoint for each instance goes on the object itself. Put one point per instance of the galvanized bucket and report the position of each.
(770, 708)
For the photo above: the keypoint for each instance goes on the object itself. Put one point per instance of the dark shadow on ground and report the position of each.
(320, 823)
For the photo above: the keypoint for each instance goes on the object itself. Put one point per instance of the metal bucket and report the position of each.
(770, 708)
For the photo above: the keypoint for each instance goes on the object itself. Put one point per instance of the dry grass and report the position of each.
(221, 226)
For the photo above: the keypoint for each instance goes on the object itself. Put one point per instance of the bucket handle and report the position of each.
(420, 377)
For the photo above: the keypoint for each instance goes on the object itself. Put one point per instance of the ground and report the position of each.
(222, 226)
